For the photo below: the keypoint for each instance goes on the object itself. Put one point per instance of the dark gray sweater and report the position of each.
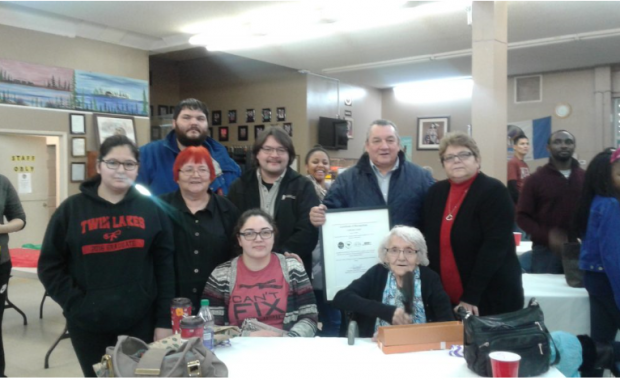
(10, 208)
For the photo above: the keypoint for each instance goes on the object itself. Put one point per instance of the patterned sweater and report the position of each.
(301, 315)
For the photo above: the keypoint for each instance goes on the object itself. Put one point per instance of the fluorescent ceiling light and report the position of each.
(302, 21)
(435, 91)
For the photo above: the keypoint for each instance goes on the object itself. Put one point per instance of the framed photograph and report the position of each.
(78, 171)
(171, 109)
(257, 130)
(349, 127)
(266, 115)
(243, 133)
(211, 132)
(281, 112)
(288, 128)
(155, 133)
(162, 110)
(106, 126)
(348, 113)
(216, 118)
(431, 130)
(78, 147)
(232, 117)
(223, 134)
(77, 124)
(250, 115)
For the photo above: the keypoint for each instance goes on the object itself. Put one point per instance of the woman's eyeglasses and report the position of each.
(395, 252)
(114, 164)
(251, 235)
(202, 171)
(461, 156)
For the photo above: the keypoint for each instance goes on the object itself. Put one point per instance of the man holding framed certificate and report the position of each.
(382, 177)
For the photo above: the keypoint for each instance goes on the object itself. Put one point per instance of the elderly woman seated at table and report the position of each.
(382, 295)
(262, 285)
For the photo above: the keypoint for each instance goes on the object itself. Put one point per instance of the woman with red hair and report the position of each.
(203, 223)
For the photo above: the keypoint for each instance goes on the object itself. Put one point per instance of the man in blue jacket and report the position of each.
(381, 177)
(190, 128)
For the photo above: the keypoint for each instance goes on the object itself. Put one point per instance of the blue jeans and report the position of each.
(329, 316)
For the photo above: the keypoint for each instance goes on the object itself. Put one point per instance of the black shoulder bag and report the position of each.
(522, 332)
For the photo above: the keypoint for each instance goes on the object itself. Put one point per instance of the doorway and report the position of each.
(31, 161)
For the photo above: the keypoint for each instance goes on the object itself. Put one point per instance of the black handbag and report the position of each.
(570, 262)
(522, 332)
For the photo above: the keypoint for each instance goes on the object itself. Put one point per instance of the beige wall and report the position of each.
(288, 90)
(576, 88)
(406, 115)
(323, 101)
(75, 53)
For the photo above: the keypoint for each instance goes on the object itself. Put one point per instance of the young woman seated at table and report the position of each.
(377, 299)
(261, 284)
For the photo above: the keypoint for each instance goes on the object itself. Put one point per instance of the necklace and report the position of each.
(450, 217)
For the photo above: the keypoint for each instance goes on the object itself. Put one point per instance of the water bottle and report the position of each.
(205, 314)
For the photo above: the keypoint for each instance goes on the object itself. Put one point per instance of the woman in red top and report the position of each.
(468, 222)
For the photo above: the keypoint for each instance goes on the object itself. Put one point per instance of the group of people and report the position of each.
(114, 258)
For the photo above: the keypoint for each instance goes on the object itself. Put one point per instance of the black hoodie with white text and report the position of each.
(109, 266)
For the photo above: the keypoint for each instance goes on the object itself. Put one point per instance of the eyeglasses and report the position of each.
(114, 164)
(269, 150)
(461, 156)
(251, 235)
(202, 171)
(394, 251)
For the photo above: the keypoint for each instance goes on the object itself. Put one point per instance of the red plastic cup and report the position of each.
(192, 327)
(180, 308)
(505, 364)
(517, 238)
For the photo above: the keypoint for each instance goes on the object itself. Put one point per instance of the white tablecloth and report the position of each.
(333, 358)
(524, 247)
(566, 309)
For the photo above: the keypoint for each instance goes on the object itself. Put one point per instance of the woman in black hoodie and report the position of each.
(107, 258)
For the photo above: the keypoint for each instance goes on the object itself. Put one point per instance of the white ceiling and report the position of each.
(430, 47)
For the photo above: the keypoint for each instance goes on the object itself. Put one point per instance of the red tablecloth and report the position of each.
(24, 258)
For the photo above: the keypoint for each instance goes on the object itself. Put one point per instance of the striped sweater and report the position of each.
(301, 315)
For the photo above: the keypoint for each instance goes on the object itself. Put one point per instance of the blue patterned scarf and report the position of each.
(392, 296)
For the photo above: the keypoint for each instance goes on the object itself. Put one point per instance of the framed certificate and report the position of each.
(350, 241)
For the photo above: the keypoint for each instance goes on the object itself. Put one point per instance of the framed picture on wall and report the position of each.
(431, 130)
(78, 171)
(106, 126)
(77, 124)
(249, 115)
(349, 127)
(281, 113)
(155, 133)
(243, 133)
(216, 117)
(223, 134)
(266, 115)
(162, 110)
(232, 117)
(171, 109)
(257, 130)
(78, 147)
(288, 128)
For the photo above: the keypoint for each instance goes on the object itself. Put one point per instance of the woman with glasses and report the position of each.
(262, 285)
(382, 296)
(468, 222)
(107, 258)
(203, 223)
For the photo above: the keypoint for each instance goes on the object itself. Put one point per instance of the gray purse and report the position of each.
(131, 357)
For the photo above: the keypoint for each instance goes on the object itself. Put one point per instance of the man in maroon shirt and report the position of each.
(548, 201)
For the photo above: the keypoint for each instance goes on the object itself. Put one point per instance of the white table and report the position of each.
(333, 358)
(524, 247)
(565, 308)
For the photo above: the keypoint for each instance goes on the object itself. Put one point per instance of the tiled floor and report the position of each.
(25, 346)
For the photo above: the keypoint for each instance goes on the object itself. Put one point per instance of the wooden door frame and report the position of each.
(63, 176)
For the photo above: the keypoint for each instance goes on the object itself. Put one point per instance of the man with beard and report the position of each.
(281, 192)
(547, 204)
(189, 128)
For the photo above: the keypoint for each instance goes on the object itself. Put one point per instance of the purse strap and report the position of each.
(193, 367)
(151, 362)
